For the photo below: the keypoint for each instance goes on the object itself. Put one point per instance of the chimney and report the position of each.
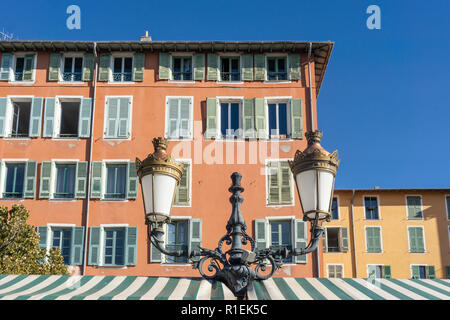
(146, 37)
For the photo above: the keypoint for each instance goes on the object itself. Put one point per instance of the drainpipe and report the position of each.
(310, 88)
(88, 182)
(352, 225)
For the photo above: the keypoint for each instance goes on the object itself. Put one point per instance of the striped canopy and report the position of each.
(34, 287)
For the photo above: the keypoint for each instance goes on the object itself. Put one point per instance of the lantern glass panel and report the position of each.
(158, 192)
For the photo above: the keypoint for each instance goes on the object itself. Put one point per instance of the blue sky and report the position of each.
(384, 103)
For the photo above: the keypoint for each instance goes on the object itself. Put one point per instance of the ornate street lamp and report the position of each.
(314, 171)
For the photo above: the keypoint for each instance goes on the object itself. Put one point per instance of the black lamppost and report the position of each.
(314, 171)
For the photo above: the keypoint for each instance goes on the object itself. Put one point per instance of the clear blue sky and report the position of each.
(384, 103)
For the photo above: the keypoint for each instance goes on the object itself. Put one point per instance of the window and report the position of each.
(65, 181)
(230, 120)
(279, 183)
(371, 208)
(373, 239)
(335, 271)
(276, 68)
(447, 203)
(280, 236)
(423, 272)
(15, 176)
(182, 68)
(278, 120)
(68, 125)
(177, 239)
(179, 118)
(335, 239)
(24, 67)
(72, 69)
(416, 240)
(62, 239)
(334, 209)
(414, 207)
(114, 246)
(230, 69)
(122, 69)
(182, 194)
(378, 271)
(118, 117)
(20, 117)
(116, 177)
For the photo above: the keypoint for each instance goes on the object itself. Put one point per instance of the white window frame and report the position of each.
(111, 66)
(381, 238)
(277, 100)
(266, 168)
(177, 55)
(378, 206)
(3, 178)
(189, 161)
(340, 227)
(57, 116)
(53, 177)
(266, 67)
(335, 264)
(421, 206)
(338, 209)
(61, 67)
(228, 99)
(419, 265)
(291, 220)
(130, 118)
(9, 117)
(13, 68)
(50, 235)
(102, 246)
(104, 179)
(376, 265)
(191, 118)
(166, 233)
(219, 63)
(424, 240)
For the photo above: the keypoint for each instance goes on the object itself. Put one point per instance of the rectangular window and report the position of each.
(276, 68)
(122, 69)
(20, 65)
(114, 246)
(278, 120)
(24, 67)
(414, 207)
(423, 272)
(15, 177)
(335, 271)
(447, 202)
(230, 122)
(179, 118)
(334, 209)
(177, 239)
(65, 181)
(279, 183)
(182, 194)
(72, 69)
(378, 271)
(280, 235)
(62, 239)
(334, 240)
(373, 239)
(182, 68)
(116, 178)
(416, 240)
(230, 69)
(21, 118)
(68, 125)
(371, 208)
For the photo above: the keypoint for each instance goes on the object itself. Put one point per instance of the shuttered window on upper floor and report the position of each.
(18, 179)
(179, 117)
(183, 191)
(414, 207)
(118, 117)
(121, 67)
(18, 67)
(279, 183)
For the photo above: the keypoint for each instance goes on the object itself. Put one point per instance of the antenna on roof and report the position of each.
(4, 35)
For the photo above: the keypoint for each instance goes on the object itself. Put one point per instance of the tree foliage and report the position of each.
(19, 246)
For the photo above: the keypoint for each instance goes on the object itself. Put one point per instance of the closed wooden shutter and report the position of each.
(54, 67)
(84, 122)
(36, 117)
(131, 246)
(30, 179)
(300, 239)
(155, 254)
(297, 119)
(94, 246)
(273, 183)
(138, 67)
(415, 272)
(431, 272)
(414, 204)
(77, 247)
(199, 66)
(247, 67)
(195, 236)
(294, 66)
(164, 66)
(49, 117)
(211, 118)
(3, 108)
(88, 67)
(416, 240)
(373, 238)
(213, 67)
(104, 67)
(260, 67)
(182, 193)
(285, 182)
(81, 179)
(260, 118)
(46, 170)
(124, 118)
(249, 118)
(28, 67)
(132, 185)
(5, 66)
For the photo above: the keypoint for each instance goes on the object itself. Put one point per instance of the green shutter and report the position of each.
(373, 238)
(415, 272)
(88, 67)
(28, 67)
(260, 118)
(131, 246)
(164, 66)
(155, 254)
(325, 240)
(84, 122)
(46, 172)
(182, 192)
(94, 246)
(43, 234)
(247, 67)
(96, 187)
(139, 64)
(297, 119)
(36, 117)
(133, 183)
(30, 179)
(431, 272)
(387, 272)
(371, 271)
(81, 179)
(198, 62)
(5, 66)
(104, 66)
(49, 117)
(260, 67)
(211, 118)
(124, 118)
(76, 254)
(420, 240)
(249, 118)
(294, 66)
(111, 117)
(260, 234)
(300, 239)
(414, 204)
(195, 236)
(412, 240)
(344, 239)
(3, 108)
(213, 67)
(447, 272)
(273, 183)
(285, 176)
(54, 66)
(416, 241)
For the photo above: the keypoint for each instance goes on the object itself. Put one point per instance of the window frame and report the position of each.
(381, 238)
(61, 67)
(4, 178)
(189, 205)
(52, 230)
(229, 56)
(105, 117)
(420, 265)
(421, 206)
(12, 68)
(171, 63)
(409, 240)
(378, 206)
(53, 178)
(277, 100)
(58, 114)
(266, 168)
(229, 99)
(9, 116)
(101, 257)
(191, 118)
(105, 180)
(291, 220)
(177, 219)
(113, 56)
(335, 264)
(383, 276)
(267, 56)
(340, 227)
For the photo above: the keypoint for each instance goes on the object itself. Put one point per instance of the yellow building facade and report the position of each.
(388, 233)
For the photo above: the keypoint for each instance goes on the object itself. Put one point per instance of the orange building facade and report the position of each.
(75, 115)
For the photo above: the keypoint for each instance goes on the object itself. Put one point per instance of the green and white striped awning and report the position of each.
(34, 287)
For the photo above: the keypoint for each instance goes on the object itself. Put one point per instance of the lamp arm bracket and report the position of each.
(160, 246)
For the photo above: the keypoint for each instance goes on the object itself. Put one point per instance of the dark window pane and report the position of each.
(117, 65)
(234, 117)
(68, 65)
(224, 118)
(15, 173)
(116, 178)
(334, 210)
(282, 118)
(273, 119)
(225, 65)
(271, 65)
(281, 65)
(422, 272)
(65, 181)
(128, 65)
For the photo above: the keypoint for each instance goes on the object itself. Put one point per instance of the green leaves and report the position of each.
(19, 246)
